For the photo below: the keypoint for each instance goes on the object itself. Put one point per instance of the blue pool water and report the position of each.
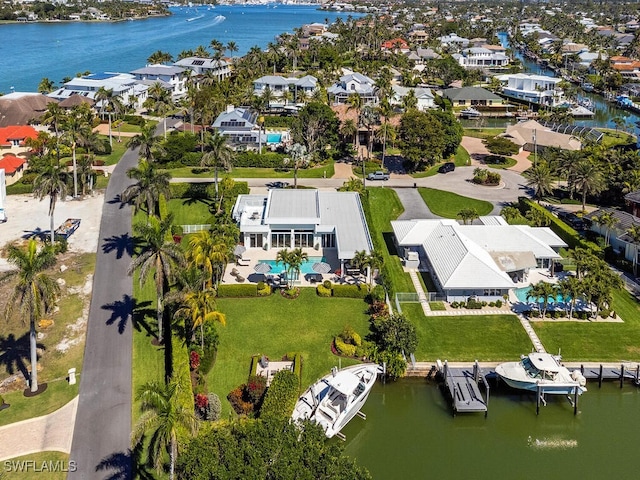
(521, 293)
(274, 137)
(305, 268)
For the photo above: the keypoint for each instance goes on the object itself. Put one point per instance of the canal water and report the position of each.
(410, 433)
(605, 111)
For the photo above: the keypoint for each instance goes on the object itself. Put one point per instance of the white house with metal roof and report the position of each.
(123, 85)
(201, 66)
(285, 218)
(175, 77)
(279, 85)
(538, 89)
(239, 125)
(424, 97)
(351, 84)
(484, 261)
(481, 57)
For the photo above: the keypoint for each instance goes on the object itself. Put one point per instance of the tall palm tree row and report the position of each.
(35, 293)
(150, 184)
(52, 183)
(159, 259)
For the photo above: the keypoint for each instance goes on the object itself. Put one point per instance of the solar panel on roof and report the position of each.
(101, 76)
(197, 62)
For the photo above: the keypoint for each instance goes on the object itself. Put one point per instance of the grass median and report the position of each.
(447, 204)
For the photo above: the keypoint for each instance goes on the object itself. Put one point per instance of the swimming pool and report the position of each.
(305, 268)
(521, 293)
(274, 137)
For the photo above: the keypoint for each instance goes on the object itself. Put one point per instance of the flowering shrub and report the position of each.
(202, 401)
(194, 360)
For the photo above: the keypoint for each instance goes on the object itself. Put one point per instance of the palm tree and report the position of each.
(299, 158)
(541, 291)
(52, 183)
(148, 188)
(467, 215)
(54, 115)
(35, 292)
(540, 178)
(146, 140)
(355, 102)
(349, 129)
(284, 257)
(232, 47)
(159, 258)
(163, 415)
(110, 104)
(46, 85)
(634, 233)
(218, 154)
(159, 57)
(570, 288)
(385, 110)
(359, 260)
(159, 100)
(85, 173)
(296, 258)
(75, 123)
(197, 308)
(209, 252)
(587, 177)
(606, 220)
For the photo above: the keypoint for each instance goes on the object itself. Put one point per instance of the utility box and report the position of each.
(72, 376)
(412, 259)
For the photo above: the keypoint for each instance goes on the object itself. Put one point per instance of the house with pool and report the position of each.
(329, 226)
(484, 261)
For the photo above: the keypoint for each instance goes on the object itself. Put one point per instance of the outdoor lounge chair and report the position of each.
(234, 272)
(243, 262)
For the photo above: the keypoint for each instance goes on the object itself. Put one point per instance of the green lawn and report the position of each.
(320, 171)
(483, 132)
(467, 338)
(594, 341)
(273, 326)
(57, 394)
(56, 466)
(461, 159)
(188, 211)
(447, 204)
(508, 163)
(117, 150)
(613, 137)
(384, 206)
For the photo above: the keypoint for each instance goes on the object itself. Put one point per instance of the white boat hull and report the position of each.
(558, 380)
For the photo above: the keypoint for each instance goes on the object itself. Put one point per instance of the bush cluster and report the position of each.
(264, 289)
(257, 160)
(281, 396)
(240, 290)
(347, 342)
(135, 120)
(247, 398)
(322, 291)
(377, 294)
(350, 291)
(483, 176)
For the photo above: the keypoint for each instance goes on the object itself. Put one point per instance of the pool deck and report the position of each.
(253, 256)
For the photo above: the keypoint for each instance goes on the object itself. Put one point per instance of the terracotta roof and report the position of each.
(10, 163)
(16, 132)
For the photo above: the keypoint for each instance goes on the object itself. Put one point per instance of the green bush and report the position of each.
(253, 369)
(377, 294)
(564, 231)
(350, 336)
(264, 290)
(343, 348)
(265, 160)
(499, 303)
(297, 366)
(135, 120)
(604, 313)
(350, 291)
(281, 396)
(474, 304)
(327, 284)
(242, 290)
(322, 291)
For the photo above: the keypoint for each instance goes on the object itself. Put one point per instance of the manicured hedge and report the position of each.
(241, 290)
(204, 190)
(343, 348)
(281, 396)
(297, 366)
(322, 291)
(564, 231)
(182, 374)
(350, 291)
(253, 159)
(264, 289)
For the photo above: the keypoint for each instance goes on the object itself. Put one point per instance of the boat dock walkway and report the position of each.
(463, 386)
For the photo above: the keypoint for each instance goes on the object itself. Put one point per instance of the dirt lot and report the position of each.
(27, 215)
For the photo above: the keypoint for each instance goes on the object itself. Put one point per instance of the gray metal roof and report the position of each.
(344, 210)
(469, 93)
(292, 207)
(158, 70)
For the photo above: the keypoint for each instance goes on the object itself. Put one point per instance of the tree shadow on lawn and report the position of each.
(128, 307)
(122, 244)
(197, 193)
(15, 352)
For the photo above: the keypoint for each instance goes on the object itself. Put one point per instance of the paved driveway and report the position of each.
(103, 421)
(414, 206)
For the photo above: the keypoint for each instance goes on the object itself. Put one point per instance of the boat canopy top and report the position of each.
(345, 382)
(545, 362)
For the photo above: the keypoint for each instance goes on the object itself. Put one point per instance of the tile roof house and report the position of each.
(472, 96)
(13, 168)
(395, 45)
(14, 136)
(351, 84)
(484, 261)
(21, 108)
(285, 218)
(530, 135)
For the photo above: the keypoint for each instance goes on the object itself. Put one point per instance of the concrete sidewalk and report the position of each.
(52, 432)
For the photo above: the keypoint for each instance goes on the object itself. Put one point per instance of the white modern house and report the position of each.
(169, 76)
(200, 66)
(351, 84)
(423, 95)
(454, 41)
(481, 57)
(484, 261)
(320, 220)
(538, 89)
(123, 85)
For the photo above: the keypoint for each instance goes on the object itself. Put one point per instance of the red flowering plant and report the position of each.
(202, 401)
(194, 360)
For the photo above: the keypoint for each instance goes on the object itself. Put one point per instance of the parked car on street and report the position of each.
(379, 175)
(277, 185)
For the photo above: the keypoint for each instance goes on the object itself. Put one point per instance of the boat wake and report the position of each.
(219, 19)
(551, 443)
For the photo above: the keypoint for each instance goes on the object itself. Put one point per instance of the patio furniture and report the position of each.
(234, 272)
(242, 262)
(240, 278)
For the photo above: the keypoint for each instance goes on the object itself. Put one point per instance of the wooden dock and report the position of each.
(463, 388)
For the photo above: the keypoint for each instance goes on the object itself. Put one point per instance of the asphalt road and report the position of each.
(101, 439)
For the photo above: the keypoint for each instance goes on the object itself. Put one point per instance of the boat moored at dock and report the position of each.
(542, 371)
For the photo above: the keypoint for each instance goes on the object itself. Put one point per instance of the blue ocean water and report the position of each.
(32, 51)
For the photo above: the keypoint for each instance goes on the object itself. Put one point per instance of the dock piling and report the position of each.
(600, 376)
(621, 375)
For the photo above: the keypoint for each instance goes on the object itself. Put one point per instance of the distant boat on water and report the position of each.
(194, 18)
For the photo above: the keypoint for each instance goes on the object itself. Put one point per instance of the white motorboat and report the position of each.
(336, 398)
(470, 112)
(542, 370)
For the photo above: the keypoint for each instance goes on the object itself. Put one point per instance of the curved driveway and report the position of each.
(102, 431)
